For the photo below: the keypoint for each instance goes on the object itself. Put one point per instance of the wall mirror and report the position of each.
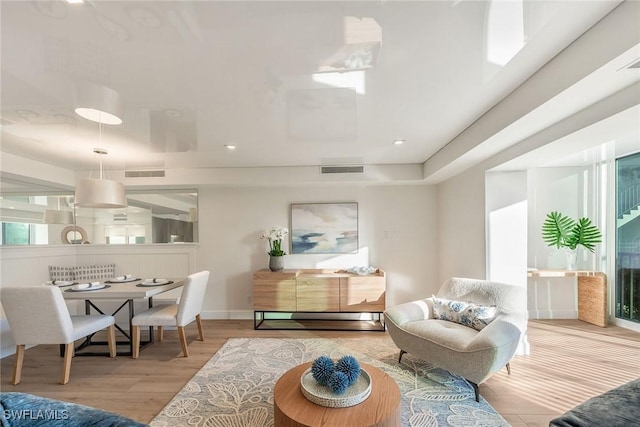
(47, 216)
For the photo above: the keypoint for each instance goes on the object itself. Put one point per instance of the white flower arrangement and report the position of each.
(275, 235)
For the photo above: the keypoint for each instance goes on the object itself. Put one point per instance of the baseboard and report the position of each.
(553, 314)
(227, 314)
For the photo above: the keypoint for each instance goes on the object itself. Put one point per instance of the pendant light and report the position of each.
(102, 105)
(57, 216)
(100, 192)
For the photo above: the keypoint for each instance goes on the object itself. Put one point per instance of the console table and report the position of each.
(310, 292)
(592, 292)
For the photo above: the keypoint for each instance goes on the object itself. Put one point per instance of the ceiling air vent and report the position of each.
(120, 217)
(144, 174)
(342, 169)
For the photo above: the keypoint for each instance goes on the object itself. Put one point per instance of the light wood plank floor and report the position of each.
(570, 362)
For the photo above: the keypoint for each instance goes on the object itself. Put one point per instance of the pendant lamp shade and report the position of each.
(100, 193)
(98, 103)
(52, 216)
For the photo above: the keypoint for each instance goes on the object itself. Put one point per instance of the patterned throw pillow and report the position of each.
(465, 313)
(95, 272)
(61, 273)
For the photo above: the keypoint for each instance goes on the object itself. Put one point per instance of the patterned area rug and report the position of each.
(235, 387)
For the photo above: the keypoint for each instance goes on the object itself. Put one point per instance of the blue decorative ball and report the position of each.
(338, 382)
(349, 366)
(322, 368)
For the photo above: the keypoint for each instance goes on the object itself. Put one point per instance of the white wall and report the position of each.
(461, 226)
(397, 232)
(506, 200)
(506, 203)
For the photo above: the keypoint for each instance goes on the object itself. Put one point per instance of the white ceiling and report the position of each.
(197, 75)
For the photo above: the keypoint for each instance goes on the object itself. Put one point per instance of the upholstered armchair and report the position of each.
(473, 330)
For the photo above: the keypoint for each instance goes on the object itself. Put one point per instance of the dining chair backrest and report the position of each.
(37, 315)
(192, 297)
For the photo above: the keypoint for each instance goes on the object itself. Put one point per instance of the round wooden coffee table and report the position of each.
(381, 408)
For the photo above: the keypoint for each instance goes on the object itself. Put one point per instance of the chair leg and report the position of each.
(508, 369)
(402, 352)
(160, 335)
(200, 330)
(475, 389)
(135, 336)
(66, 365)
(17, 364)
(111, 339)
(183, 340)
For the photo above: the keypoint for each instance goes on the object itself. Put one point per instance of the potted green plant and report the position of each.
(564, 232)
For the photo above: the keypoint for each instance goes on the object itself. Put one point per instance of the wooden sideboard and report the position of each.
(302, 293)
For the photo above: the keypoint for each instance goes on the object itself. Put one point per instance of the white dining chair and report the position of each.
(39, 315)
(179, 315)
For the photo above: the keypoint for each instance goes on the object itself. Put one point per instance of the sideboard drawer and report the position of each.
(362, 294)
(274, 295)
(318, 294)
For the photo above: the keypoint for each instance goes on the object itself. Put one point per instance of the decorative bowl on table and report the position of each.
(323, 395)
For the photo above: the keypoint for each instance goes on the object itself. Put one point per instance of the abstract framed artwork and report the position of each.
(324, 228)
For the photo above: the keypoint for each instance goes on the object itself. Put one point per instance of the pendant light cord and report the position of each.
(100, 144)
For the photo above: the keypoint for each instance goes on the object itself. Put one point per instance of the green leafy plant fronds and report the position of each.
(586, 234)
(564, 232)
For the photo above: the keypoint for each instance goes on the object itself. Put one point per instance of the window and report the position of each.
(15, 233)
(628, 238)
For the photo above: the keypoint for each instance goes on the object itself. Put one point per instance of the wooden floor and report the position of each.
(570, 361)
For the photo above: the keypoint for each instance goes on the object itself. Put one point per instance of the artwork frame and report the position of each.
(324, 228)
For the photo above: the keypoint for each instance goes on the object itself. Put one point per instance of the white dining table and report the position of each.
(127, 292)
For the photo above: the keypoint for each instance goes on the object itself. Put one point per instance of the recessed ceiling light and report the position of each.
(398, 141)
(75, 1)
(229, 146)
